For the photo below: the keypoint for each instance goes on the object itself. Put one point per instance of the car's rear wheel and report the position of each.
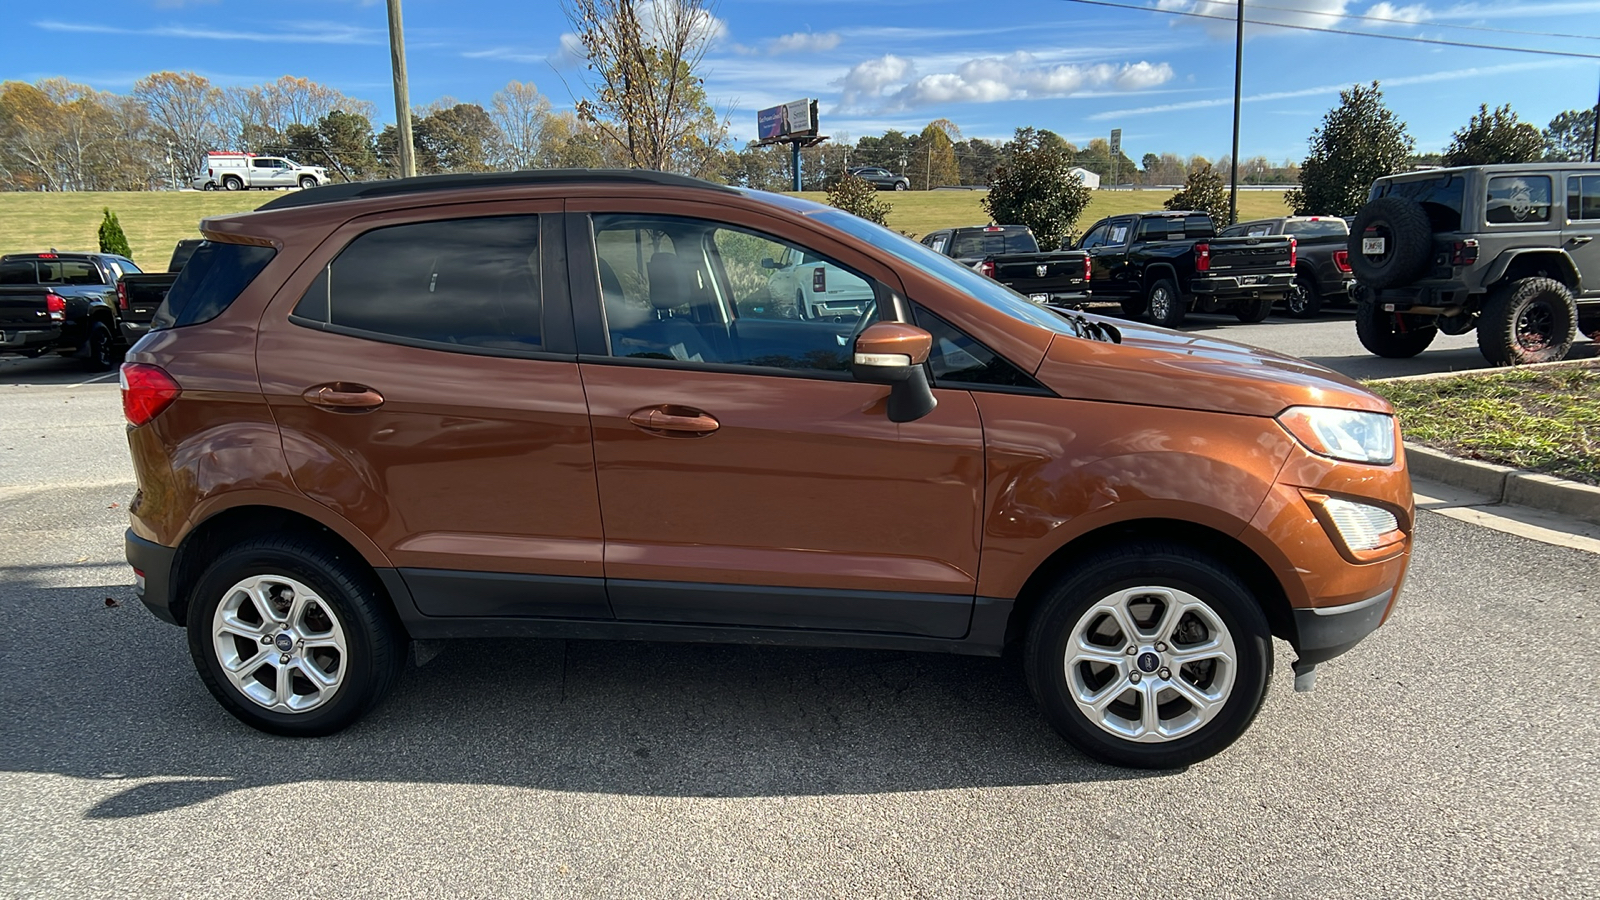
(1254, 310)
(292, 637)
(232, 183)
(1304, 300)
(1164, 304)
(1149, 655)
(1133, 307)
(1393, 335)
(1530, 320)
(99, 354)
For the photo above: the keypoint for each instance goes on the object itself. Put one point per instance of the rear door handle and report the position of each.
(1583, 239)
(672, 419)
(343, 397)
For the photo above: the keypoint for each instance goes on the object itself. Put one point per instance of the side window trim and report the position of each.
(1034, 387)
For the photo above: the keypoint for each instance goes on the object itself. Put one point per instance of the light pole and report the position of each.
(1594, 133)
(1238, 81)
(402, 92)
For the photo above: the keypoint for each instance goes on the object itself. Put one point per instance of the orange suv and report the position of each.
(586, 405)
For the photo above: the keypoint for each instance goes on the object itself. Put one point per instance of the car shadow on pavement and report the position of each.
(109, 693)
(50, 370)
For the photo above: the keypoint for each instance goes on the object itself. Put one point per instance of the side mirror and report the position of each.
(767, 262)
(893, 353)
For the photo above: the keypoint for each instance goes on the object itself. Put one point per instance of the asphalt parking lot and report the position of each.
(1452, 754)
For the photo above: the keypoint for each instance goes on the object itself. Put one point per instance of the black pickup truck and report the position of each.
(1010, 255)
(138, 295)
(1167, 264)
(63, 303)
(1322, 266)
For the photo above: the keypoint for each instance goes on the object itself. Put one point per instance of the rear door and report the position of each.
(1581, 233)
(420, 367)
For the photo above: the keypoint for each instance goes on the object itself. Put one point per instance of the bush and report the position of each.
(1035, 187)
(1358, 142)
(859, 197)
(112, 240)
(1203, 192)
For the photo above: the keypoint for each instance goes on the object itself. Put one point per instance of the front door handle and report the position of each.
(343, 397)
(675, 420)
(1583, 239)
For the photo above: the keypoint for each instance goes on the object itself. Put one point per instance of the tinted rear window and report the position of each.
(991, 243)
(215, 277)
(1318, 228)
(17, 271)
(1441, 197)
(1176, 228)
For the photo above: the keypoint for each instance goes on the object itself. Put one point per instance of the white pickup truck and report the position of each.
(240, 171)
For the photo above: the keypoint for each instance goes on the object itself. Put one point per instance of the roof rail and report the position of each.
(361, 190)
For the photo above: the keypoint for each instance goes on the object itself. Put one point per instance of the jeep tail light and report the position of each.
(1202, 257)
(1341, 260)
(146, 391)
(122, 296)
(1294, 252)
(986, 268)
(56, 306)
(1464, 253)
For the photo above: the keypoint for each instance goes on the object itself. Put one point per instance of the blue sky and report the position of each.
(1079, 70)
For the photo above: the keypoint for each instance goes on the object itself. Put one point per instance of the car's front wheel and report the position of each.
(1256, 310)
(293, 637)
(902, 186)
(307, 182)
(1149, 655)
(1393, 335)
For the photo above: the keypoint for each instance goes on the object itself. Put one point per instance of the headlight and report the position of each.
(1346, 434)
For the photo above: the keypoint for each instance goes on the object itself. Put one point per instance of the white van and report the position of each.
(238, 171)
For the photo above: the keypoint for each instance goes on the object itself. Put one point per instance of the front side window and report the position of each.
(1583, 198)
(1119, 234)
(1095, 237)
(1518, 199)
(693, 291)
(456, 284)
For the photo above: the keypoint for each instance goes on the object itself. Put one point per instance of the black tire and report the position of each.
(1159, 566)
(1165, 306)
(1253, 311)
(232, 183)
(1393, 335)
(1530, 320)
(375, 643)
(1407, 237)
(1134, 307)
(99, 352)
(902, 186)
(1304, 300)
(210, 186)
(307, 182)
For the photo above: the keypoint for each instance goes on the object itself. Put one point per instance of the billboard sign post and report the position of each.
(1116, 155)
(794, 124)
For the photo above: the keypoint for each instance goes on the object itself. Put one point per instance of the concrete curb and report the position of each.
(1492, 370)
(1504, 484)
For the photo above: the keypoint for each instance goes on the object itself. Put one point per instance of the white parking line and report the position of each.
(93, 380)
(1533, 524)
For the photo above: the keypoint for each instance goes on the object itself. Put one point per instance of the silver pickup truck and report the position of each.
(243, 171)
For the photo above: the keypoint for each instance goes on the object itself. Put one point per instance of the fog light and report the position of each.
(1362, 527)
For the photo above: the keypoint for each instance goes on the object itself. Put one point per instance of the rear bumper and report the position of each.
(1242, 286)
(133, 331)
(155, 583)
(15, 339)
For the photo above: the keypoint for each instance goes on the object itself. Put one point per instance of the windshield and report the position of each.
(947, 270)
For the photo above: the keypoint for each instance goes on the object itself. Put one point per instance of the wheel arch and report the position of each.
(1227, 550)
(1157, 271)
(1532, 262)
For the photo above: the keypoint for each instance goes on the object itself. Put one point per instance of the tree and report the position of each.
(183, 108)
(892, 151)
(1035, 187)
(1569, 136)
(859, 197)
(257, 118)
(343, 141)
(977, 159)
(1203, 191)
(520, 112)
(568, 143)
(1494, 136)
(456, 138)
(933, 159)
(1358, 142)
(60, 136)
(643, 56)
(112, 240)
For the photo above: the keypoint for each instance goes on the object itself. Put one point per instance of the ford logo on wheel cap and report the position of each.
(1149, 662)
(286, 643)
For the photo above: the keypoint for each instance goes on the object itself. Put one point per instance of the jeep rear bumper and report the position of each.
(152, 567)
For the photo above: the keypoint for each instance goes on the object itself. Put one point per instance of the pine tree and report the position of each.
(112, 240)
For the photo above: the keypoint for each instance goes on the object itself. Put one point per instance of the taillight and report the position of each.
(1088, 270)
(986, 268)
(56, 306)
(1294, 252)
(1464, 253)
(122, 296)
(1202, 257)
(1341, 260)
(146, 391)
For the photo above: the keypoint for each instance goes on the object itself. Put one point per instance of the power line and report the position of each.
(1432, 23)
(1321, 30)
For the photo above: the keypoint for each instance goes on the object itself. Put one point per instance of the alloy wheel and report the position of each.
(279, 643)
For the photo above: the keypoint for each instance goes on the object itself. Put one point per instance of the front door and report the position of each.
(745, 479)
(423, 377)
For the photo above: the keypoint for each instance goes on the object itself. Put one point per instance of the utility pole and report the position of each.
(1594, 133)
(402, 92)
(1238, 82)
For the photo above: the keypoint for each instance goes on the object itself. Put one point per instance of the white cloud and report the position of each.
(300, 33)
(891, 81)
(1410, 15)
(804, 42)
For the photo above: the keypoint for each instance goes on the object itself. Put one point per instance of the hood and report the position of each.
(1154, 366)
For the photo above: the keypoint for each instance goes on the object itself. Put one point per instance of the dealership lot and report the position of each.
(1451, 753)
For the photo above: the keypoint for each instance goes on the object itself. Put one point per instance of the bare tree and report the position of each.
(643, 56)
(520, 112)
(184, 108)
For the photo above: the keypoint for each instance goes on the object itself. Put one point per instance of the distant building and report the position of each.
(1090, 180)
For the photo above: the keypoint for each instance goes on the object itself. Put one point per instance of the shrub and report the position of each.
(1203, 192)
(112, 240)
(1035, 187)
(858, 196)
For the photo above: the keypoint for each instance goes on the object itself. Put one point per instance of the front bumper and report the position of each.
(1221, 286)
(155, 583)
(1327, 631)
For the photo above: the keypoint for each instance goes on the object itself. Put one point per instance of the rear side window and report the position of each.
(1583, 198)
(456, 284)
(1518, 199)
(215, 277)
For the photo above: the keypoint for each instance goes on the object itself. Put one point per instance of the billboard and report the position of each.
(774, 123)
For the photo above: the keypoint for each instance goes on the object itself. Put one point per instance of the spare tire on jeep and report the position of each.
(1397, 232)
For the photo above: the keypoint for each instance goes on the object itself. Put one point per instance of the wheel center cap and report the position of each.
(1148, 662)
(285, 643)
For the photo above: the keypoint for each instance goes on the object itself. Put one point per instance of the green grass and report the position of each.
(155, 220)
(1544, 420)
(919, 212)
